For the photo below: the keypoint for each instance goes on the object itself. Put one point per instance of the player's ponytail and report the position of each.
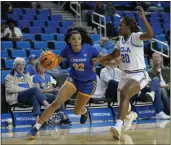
(138, 29)
(83, 33)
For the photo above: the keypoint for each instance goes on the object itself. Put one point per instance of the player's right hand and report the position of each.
(141, 11)
(95, 60)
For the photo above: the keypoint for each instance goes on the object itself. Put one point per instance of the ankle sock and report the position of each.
(119, 123)
(85, 111)
(37, 125)
(128, 116)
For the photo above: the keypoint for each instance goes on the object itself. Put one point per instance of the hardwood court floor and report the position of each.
(142, 132)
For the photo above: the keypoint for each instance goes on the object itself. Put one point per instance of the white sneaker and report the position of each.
(162, 115)
(128, 121)
(115, 132)
(151, 94)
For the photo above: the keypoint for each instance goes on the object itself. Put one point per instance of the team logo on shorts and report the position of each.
(70, 79)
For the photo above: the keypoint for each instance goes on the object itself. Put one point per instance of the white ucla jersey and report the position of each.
(131, 52)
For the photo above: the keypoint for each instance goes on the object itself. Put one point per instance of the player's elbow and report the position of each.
(150, 35)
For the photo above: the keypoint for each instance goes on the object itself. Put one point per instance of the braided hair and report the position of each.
(84, 35)
(131, 22)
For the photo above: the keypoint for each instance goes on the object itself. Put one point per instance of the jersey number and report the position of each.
(125, 58)
(79, 67)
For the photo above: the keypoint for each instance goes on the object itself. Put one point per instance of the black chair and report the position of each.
(61, 78)
(4, 104)
(102, 101)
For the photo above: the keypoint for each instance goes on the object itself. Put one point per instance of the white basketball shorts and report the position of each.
(140, 77)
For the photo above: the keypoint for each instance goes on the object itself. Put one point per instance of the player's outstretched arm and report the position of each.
(115, 62)
(149, 34)
(110, 59)
(106, 59)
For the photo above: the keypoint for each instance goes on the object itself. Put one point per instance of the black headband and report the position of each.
(73, 32)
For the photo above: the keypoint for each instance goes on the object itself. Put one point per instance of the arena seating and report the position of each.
(6, 44)
(17, 53)
(158, 20)
(44, 27)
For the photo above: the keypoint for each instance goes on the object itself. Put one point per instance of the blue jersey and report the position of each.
(82, 68)
(44, 83)
(30, 69)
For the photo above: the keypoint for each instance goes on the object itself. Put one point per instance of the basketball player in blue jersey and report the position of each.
(130, 48)
(82, 77)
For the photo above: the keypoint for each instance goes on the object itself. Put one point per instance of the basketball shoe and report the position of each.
(84, 117)
(32, 133)
(115, 132)
(128, 120)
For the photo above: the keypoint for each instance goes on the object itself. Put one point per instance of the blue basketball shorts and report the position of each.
(84, 88)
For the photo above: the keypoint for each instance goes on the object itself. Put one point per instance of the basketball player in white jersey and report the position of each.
(134, 77)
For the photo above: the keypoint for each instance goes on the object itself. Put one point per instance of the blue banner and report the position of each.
(104, 114)
(4, 118)
(24, 118)
(72, 116)
(101, 114)
(147, 111)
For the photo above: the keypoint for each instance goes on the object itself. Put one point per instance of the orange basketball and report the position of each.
(48, 60)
